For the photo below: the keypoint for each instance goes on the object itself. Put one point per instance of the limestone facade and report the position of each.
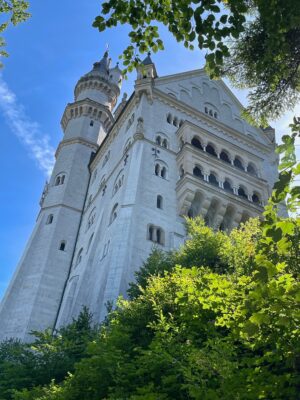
(123, 182)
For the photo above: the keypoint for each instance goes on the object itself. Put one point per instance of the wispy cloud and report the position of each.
(28, 132)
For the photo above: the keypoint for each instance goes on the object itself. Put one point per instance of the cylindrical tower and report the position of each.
(33, 297)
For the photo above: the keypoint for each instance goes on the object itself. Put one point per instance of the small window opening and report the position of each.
(224, 157)
(62, 246)
(49, 219)
(159, 202)
(242, 193)
(92, 123)
(163, 173)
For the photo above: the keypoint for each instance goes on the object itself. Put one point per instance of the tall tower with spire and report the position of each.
(35, 293)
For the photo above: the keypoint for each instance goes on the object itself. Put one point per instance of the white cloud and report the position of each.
(28, 132)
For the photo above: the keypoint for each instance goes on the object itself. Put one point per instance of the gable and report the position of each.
(211, 97)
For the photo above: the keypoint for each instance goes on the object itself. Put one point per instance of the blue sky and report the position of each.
(48, 54)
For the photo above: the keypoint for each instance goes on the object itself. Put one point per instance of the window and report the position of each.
(175, 121)
(211, 150)
(49, 219)
(256, 198)
(242, 193)
(224, 157)
(164, 143)
(196, 143)
(156, 234)
(169, 118)
(118, 182)
(92, 123)
(59, 180)
(252, 170)
(113, 214)
(158, 140)
(198, 173)
(213, 180)
(79, 257)
(238, 163)
(227, 186)
(159, 202)
(62, 245)
(161, 141)
(209, 110)
(160, 170)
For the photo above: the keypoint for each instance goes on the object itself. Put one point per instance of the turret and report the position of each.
(34, 296)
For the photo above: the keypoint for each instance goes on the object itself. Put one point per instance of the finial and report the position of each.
(106, 50)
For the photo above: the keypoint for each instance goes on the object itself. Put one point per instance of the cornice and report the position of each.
(87, 107)
(77, 140)
(231, 133)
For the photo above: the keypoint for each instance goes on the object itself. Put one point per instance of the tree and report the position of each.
(48, 357)
(15, 11)
(194, 331)
(253, 42)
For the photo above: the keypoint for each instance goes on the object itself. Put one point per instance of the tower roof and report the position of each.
(147, 60)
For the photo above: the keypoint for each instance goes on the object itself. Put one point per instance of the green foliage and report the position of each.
(15, 11)
(255, 43)
(266, 58)
(48, 357)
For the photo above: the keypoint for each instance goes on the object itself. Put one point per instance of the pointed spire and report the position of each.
(148, 60)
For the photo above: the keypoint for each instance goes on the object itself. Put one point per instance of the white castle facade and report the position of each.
(123, 181)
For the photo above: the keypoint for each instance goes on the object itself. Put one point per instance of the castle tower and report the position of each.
(35, 293)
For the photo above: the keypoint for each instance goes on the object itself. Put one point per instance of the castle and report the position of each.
(122, 182)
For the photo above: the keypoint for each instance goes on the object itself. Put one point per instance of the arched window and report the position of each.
(213, 180)
(242, 193)
(206, 110)
(175, 121)
(164, 143)
(156, 234)
(252, 170)
(196, 143)
(238, 163)
(92, 123)
(113, 214)
(79, 257)
(180, 123)
(225, 157)
(169, 118)
(227, 186)
(118, 182)
(150, 232)
(215, 115)
(198, 173)
(158, 140)
(59, 180)
(159, 201)
(160, 170)
(211, 150)
(157, 169)
(256, 198)
(62, 245)
(49, 219)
